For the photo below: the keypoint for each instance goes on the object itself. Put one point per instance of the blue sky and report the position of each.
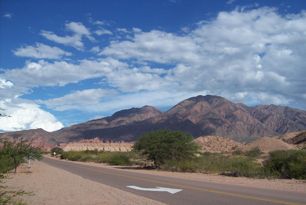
(65, 62)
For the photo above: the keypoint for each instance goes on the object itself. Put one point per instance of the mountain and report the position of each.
(38, 137)
(199, 116)
(216, 115)
(279, 118)
(116, 126)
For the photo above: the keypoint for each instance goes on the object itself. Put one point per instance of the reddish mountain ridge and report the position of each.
(199, 116)
(37, 137)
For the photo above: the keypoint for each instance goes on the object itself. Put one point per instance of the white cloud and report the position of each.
(230, 1)
(96, 49)
(41, 51)
(249, 56)
(254, 51)
(5, 83)
(100, 23)
(78, 28)
(79, 31)
(87, 99)
(123, 30)
(74, 41)
(156, 46)
(8, 15)
(26, 116)
(103, 31)
(99, 100)
(60, 73)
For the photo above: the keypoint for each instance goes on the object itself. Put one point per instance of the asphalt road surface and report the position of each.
(192, 192)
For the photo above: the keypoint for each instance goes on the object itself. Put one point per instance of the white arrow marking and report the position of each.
(161, 189)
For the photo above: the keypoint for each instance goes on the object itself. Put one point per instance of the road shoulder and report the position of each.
(51, 185)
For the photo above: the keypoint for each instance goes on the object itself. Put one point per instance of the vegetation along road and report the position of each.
(182, 191)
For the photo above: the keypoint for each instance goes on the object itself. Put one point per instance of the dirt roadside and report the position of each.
(51, 185)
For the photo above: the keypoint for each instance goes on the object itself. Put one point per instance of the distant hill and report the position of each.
(199, 116)
(38, 137)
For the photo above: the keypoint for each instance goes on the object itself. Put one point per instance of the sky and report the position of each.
(64, 62)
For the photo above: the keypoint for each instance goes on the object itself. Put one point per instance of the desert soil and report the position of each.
(51, 185)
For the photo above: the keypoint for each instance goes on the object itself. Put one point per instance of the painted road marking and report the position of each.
(167, 183)
(160, 189)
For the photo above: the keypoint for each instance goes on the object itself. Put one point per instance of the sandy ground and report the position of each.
(273, 184)
(51, 185)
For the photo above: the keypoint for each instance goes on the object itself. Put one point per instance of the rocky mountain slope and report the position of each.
(199, 116)
(38, 137)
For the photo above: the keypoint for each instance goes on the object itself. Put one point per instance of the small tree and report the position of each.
(161, 146)
(57, 151)
(18, 151)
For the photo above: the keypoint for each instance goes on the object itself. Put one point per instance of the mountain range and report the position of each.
(198, 116)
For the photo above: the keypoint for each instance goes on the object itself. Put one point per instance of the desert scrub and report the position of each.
(255, 152)
(10, 197)
(182, 166)
(112, 158)
(287, 164)
(6, 164)
(217, 163)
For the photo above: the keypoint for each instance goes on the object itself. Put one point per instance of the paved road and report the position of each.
(193, 192)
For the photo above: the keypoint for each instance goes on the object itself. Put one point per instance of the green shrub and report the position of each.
(6, 164)
(255, 152)
(57, 150)
(113, 158)
(119, 159)
(217, 163)
(181, 166)
(243, 166)
(287, 164)
(163, 145)
(72, 155)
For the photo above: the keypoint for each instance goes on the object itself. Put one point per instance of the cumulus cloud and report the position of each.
(75, 40)
(87, 99)
(78, 28)
(60, 73)
(254, 51)
(103, 31)
(155, 46)
(99, 100)
(251, 56)
(41, 51)
(26, 116)
(5, 83)
(96, 49)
